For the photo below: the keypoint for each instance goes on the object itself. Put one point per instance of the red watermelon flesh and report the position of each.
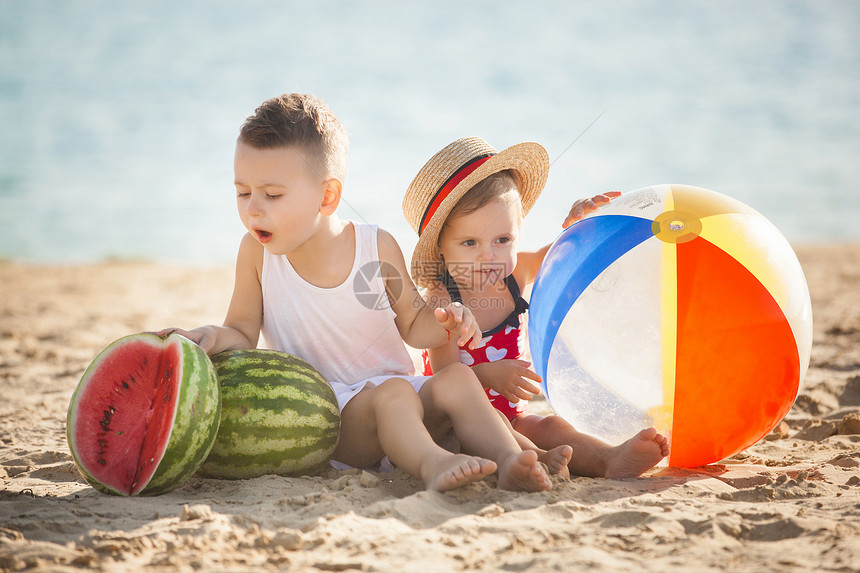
(125, 413)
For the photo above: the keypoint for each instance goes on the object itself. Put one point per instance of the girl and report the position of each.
(467, 205)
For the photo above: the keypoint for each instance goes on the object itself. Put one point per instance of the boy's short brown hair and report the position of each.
(304, 121)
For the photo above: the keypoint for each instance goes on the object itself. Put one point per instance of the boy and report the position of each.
(299, 272)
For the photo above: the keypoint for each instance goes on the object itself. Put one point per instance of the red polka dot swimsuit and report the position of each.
(501, 342)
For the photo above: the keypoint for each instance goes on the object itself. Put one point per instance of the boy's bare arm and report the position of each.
(449, 353)
(420, 325)
(241, 328)
(245, 314)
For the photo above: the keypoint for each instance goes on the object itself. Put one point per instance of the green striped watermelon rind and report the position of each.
(198, 415)
(197, 412)
(279, 416)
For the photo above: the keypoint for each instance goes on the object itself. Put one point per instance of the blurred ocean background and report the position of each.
(118, 119)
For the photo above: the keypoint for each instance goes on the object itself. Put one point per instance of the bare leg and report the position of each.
(454, 398)
(639, 453)
(594, 457)
(555, 459)
(387, 420)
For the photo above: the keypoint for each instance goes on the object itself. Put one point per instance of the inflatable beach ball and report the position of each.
(674, 307)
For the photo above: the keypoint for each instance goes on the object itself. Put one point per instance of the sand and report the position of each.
(789, 503)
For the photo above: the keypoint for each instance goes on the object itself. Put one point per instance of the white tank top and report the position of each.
(347, 332)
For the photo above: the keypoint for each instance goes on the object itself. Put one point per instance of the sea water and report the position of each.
(118, 119)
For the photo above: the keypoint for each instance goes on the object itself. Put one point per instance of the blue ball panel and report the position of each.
(577, 257)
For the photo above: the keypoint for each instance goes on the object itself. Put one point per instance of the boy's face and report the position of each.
(480, 248)
(278, 196)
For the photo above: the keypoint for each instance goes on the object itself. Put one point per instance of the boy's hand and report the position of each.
(459, 321)
(202, 336)
(583, 207)
(511, 379)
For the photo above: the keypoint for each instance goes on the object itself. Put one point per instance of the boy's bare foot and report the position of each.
(456, 470)
(556, 460)
(636, 455)
(523, 472)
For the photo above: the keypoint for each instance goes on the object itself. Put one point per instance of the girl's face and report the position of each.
(480, 248)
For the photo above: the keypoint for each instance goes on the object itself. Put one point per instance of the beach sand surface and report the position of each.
(788, 503)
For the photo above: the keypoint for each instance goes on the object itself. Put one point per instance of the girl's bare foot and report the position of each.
(636, 455)
(451, 471)
(556, 460)
(523, 472)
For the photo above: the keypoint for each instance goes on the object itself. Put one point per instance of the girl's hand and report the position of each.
(459, 321)
(583, 207)
(512, 379)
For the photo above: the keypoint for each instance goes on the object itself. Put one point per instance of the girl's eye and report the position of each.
(269, 196)
(242, 194)
(469, 243)
(504, 240)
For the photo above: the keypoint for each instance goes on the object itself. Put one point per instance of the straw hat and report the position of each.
(449, 174)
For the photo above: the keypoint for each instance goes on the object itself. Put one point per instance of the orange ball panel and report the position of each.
(737, 365)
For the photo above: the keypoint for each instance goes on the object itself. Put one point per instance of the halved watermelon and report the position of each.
(144, 415)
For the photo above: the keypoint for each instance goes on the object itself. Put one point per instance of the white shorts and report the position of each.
(346, 392)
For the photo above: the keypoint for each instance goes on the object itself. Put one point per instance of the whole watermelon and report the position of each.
(144, 415)
(278, 416)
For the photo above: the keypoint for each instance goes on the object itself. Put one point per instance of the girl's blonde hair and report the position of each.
(502, 185)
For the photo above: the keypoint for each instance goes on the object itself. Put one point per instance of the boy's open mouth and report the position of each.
(263, 236)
